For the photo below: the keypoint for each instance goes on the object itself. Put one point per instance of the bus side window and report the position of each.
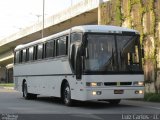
(66, 45)
(24, 56)
(39, 51)
(27, 54)
(20, 56)
(17, 57)
(30, 53)
(49, 49)
(35, 52)
(61, 46)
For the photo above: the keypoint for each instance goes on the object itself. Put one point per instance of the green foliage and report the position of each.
(104, 20)
(149, 6)
(129, 15)
(135, 2)
(141, 38)
(153, 22)
(150, 57)
(129, 7)
(118, 16)
(152, 97)
(144, 9)
(151, 3)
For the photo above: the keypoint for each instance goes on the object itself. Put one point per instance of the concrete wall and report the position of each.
(6, 75)
(2, 74)
(144, 16)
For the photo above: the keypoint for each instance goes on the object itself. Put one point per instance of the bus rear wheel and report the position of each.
(66, 95)
(27, 95)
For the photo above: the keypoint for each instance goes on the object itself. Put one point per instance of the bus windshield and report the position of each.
(112, 53)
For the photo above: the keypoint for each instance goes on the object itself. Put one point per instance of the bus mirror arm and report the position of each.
(78, 65)
(86, 53)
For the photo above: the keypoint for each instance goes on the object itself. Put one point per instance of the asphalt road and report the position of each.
(14, 107)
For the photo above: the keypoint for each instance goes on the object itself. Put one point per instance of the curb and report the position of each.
(9, 88)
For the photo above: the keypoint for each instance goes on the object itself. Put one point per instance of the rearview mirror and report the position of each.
(78, 64)
(72, 55)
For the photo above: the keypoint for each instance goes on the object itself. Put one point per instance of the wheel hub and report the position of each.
(67, 94)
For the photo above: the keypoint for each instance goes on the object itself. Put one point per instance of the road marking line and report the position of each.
(7, 90)
(89, 116)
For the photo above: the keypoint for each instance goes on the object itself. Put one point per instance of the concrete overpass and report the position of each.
(85, 12)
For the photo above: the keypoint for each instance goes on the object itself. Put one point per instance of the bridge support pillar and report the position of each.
(3, 75)
(6, 74)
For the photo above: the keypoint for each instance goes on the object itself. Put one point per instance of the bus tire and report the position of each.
(114, 102)
(66, 95)
(27, 95)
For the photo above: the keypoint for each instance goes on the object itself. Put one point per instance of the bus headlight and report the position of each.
(96, 93)
(139, 92)
(140, 83)
(94, 84)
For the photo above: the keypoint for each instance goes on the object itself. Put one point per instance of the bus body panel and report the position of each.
(44, 68)
(43, 77)
(50, 86)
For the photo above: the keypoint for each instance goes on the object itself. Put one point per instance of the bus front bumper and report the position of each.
(114, 93)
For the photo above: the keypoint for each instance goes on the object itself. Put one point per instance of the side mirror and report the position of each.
(72, 56)
(78, 64)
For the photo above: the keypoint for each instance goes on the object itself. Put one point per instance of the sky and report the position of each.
(18, 14)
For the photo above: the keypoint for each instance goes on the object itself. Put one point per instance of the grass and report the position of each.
(152, 97)
(7, 84)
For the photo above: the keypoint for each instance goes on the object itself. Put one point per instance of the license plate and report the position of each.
(118, 91)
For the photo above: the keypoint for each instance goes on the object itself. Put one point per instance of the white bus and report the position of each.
(89, 62)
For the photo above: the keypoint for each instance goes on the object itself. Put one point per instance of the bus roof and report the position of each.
(103, 28)
(83, 28)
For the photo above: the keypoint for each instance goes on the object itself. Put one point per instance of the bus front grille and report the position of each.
(118, 83)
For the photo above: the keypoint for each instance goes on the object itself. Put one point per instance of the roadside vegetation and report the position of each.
(152, 97)
(7, 84)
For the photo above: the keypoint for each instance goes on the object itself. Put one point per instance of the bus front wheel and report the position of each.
(67, 95)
